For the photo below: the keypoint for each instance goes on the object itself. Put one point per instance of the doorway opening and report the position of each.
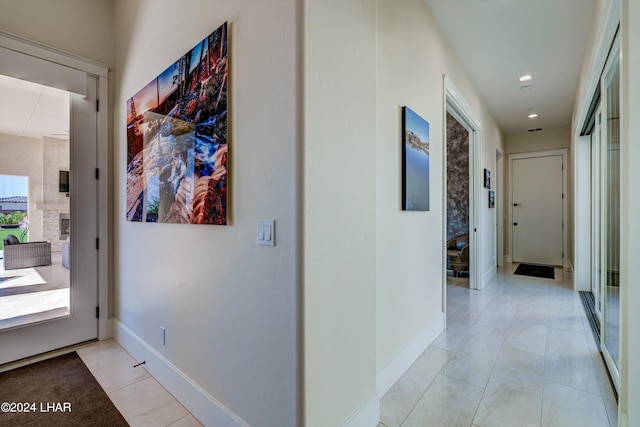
(34, 139)
(14, 201)
(64, 193)
(499, 206)
(458, 191)
(464, 215)
(538, 207)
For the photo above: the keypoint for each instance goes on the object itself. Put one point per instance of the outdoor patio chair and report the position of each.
(25, 255)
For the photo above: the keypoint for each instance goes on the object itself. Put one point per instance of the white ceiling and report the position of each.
(32, 110)
(497, 41)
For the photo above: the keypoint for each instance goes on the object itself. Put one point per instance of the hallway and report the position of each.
(518, 353)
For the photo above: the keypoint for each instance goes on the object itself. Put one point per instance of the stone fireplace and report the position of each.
(56, 224)
(64, 226)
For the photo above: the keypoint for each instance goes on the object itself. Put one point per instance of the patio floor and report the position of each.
(36, 294)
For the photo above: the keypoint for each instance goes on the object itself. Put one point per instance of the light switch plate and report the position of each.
(266, 232)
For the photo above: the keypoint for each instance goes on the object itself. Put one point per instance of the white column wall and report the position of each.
(339, 213)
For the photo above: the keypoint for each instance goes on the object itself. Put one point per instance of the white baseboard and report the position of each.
(392, 371)
(488, 275)
(368, 414)
(568, 267)
(624, 421)
(568, 272)
(201, 404)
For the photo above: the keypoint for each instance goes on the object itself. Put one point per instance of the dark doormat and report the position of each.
(55, 392)
(542, 271)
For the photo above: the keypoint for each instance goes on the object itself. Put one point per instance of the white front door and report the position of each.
(80, 322)
(537, 206)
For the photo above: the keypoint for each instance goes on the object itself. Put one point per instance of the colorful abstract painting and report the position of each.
(177, 140)
(415, 161)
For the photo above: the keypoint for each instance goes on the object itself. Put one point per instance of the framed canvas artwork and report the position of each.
(487, 178)
(492, 199)
(415, 161)
(177, 146)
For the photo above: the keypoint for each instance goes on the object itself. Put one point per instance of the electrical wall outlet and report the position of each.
(162, 336)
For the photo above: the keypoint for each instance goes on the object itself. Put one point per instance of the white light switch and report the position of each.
(266, 232)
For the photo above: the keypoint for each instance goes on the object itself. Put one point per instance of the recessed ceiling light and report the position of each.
(526, 78)
(532, 113)
(526, 88)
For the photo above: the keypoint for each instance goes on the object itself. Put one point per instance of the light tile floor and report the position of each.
(518, 353)
(137, 395)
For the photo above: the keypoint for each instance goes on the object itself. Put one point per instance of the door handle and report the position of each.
(515, 223)
(517, 204)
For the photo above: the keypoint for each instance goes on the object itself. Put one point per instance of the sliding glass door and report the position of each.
(596, 251)
(610, 213)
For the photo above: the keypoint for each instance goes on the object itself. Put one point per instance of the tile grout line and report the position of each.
(484, 389)
(130, 384)
(422, 395)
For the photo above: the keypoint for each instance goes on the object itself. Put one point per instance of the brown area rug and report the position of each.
(55, 392)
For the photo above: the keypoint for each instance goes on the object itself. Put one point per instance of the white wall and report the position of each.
(56, 157)
(412, 56)
(76, 26)
(339, 212)
(355, 232)
(547, 139)
(630, 251)
(228, 305)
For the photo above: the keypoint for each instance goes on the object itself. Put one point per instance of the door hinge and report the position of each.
(97, 173)
(97, 311)
(562, 196)
(97, 105)
(563, 225)
(562, 255)
(97, 243)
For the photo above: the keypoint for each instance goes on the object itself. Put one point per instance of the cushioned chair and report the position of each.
(25, 255)
(458, 254)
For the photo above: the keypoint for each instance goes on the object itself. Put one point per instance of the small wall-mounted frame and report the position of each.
(492, 199)
(487, 178)
(64, 182)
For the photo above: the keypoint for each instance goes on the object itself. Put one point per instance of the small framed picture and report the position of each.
(487, 178)
(492, 199)
(415, 161)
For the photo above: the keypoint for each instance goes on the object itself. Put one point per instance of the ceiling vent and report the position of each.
(535, 130)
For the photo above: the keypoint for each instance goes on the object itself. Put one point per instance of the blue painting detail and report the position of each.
(415, 161)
